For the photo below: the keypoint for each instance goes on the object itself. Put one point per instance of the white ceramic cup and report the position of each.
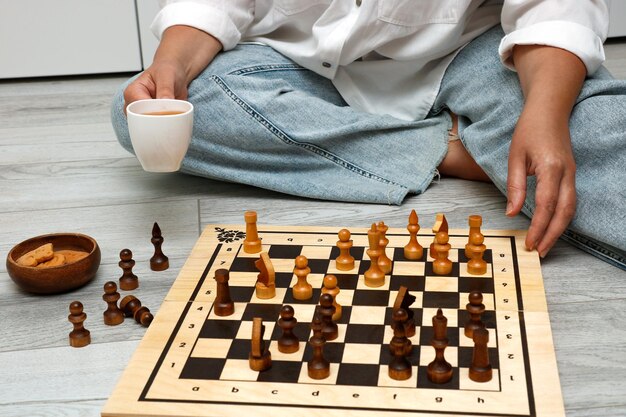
(160, 140)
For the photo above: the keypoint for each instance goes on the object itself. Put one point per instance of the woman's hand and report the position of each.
(551, 79)
(183, 53)
(541, 147)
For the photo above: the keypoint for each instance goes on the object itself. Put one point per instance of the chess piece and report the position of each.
(252, 242)
(413, 250)
(158, 262)
(476, 264)
(374, 276)
(326, 311)
(288, 342)
(318, 367)
(128, 280)
(403, 301)
(79, 337)
(442, 265)
(223, 304)
(400, 346)
(131, 306)
(480, 369)
(474, 221)
(439, 370)
(266, 280)
(383, 260)
(302, 290)
(260, 357)
(475, 308)
(330, 287)
(112, 315)
(441, 225)
(344, 261)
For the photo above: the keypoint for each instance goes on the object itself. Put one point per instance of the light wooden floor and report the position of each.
(61, 169)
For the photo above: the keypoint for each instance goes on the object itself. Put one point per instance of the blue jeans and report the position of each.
(262, 120)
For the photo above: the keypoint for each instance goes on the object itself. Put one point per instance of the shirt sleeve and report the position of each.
(579, 26)
(226, 20)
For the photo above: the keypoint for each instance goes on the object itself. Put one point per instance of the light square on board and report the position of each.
(450, 314)
(211, 348)
(316, 252)
(488, 301)
(279, 356)
(385, 381)
(466, 383)
(238, 370)
(361, 284)
(441, 283)
(465, 341)
(427, 355)
(245, 330)
(331, 380)
(361, 353)
(280, 294)
(368, 315)
(463, 271)
(408, 268)
(332, 268)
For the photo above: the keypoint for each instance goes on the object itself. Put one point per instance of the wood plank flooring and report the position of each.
(61, 169)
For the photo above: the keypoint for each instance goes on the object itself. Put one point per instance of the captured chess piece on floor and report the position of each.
(158, 262)
(79, 337)
(131, 306)
(112, 315)
(128, 280)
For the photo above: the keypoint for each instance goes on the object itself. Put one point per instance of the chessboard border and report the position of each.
(216, 250)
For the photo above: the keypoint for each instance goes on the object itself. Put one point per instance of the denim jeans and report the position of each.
(262, 120)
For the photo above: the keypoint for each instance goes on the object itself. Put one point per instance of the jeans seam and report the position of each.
(266, 68)
(592, 247)
(286, 139)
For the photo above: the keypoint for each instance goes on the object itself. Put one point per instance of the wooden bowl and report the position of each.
(56, 279)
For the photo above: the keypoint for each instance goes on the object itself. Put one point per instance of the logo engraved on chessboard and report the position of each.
(229, 236)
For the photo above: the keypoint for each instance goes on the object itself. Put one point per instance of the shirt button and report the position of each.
(326, 64)
(358, 3)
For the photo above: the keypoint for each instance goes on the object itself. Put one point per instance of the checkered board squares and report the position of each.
(195, 363)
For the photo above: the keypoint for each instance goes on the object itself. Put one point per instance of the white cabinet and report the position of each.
(147, 10)
(62, 37)
(617, 18)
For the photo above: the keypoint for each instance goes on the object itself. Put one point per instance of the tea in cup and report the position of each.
(160, 132)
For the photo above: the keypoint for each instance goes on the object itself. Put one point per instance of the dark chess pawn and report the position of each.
(400, 346)
(475, 308)
(326, 310)
(158, 262)
(112, 315)
(318, 367)
(79, 337)
(439, 370)
(128, 280)
(131, 306)
(287, 342)
(480, 370)
(223, 305)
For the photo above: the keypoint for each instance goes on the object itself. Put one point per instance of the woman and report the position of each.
(363, 100)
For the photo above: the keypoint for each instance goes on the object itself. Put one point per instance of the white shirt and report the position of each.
(389, 56)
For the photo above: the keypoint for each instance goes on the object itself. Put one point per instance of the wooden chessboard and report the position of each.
(194, 363)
